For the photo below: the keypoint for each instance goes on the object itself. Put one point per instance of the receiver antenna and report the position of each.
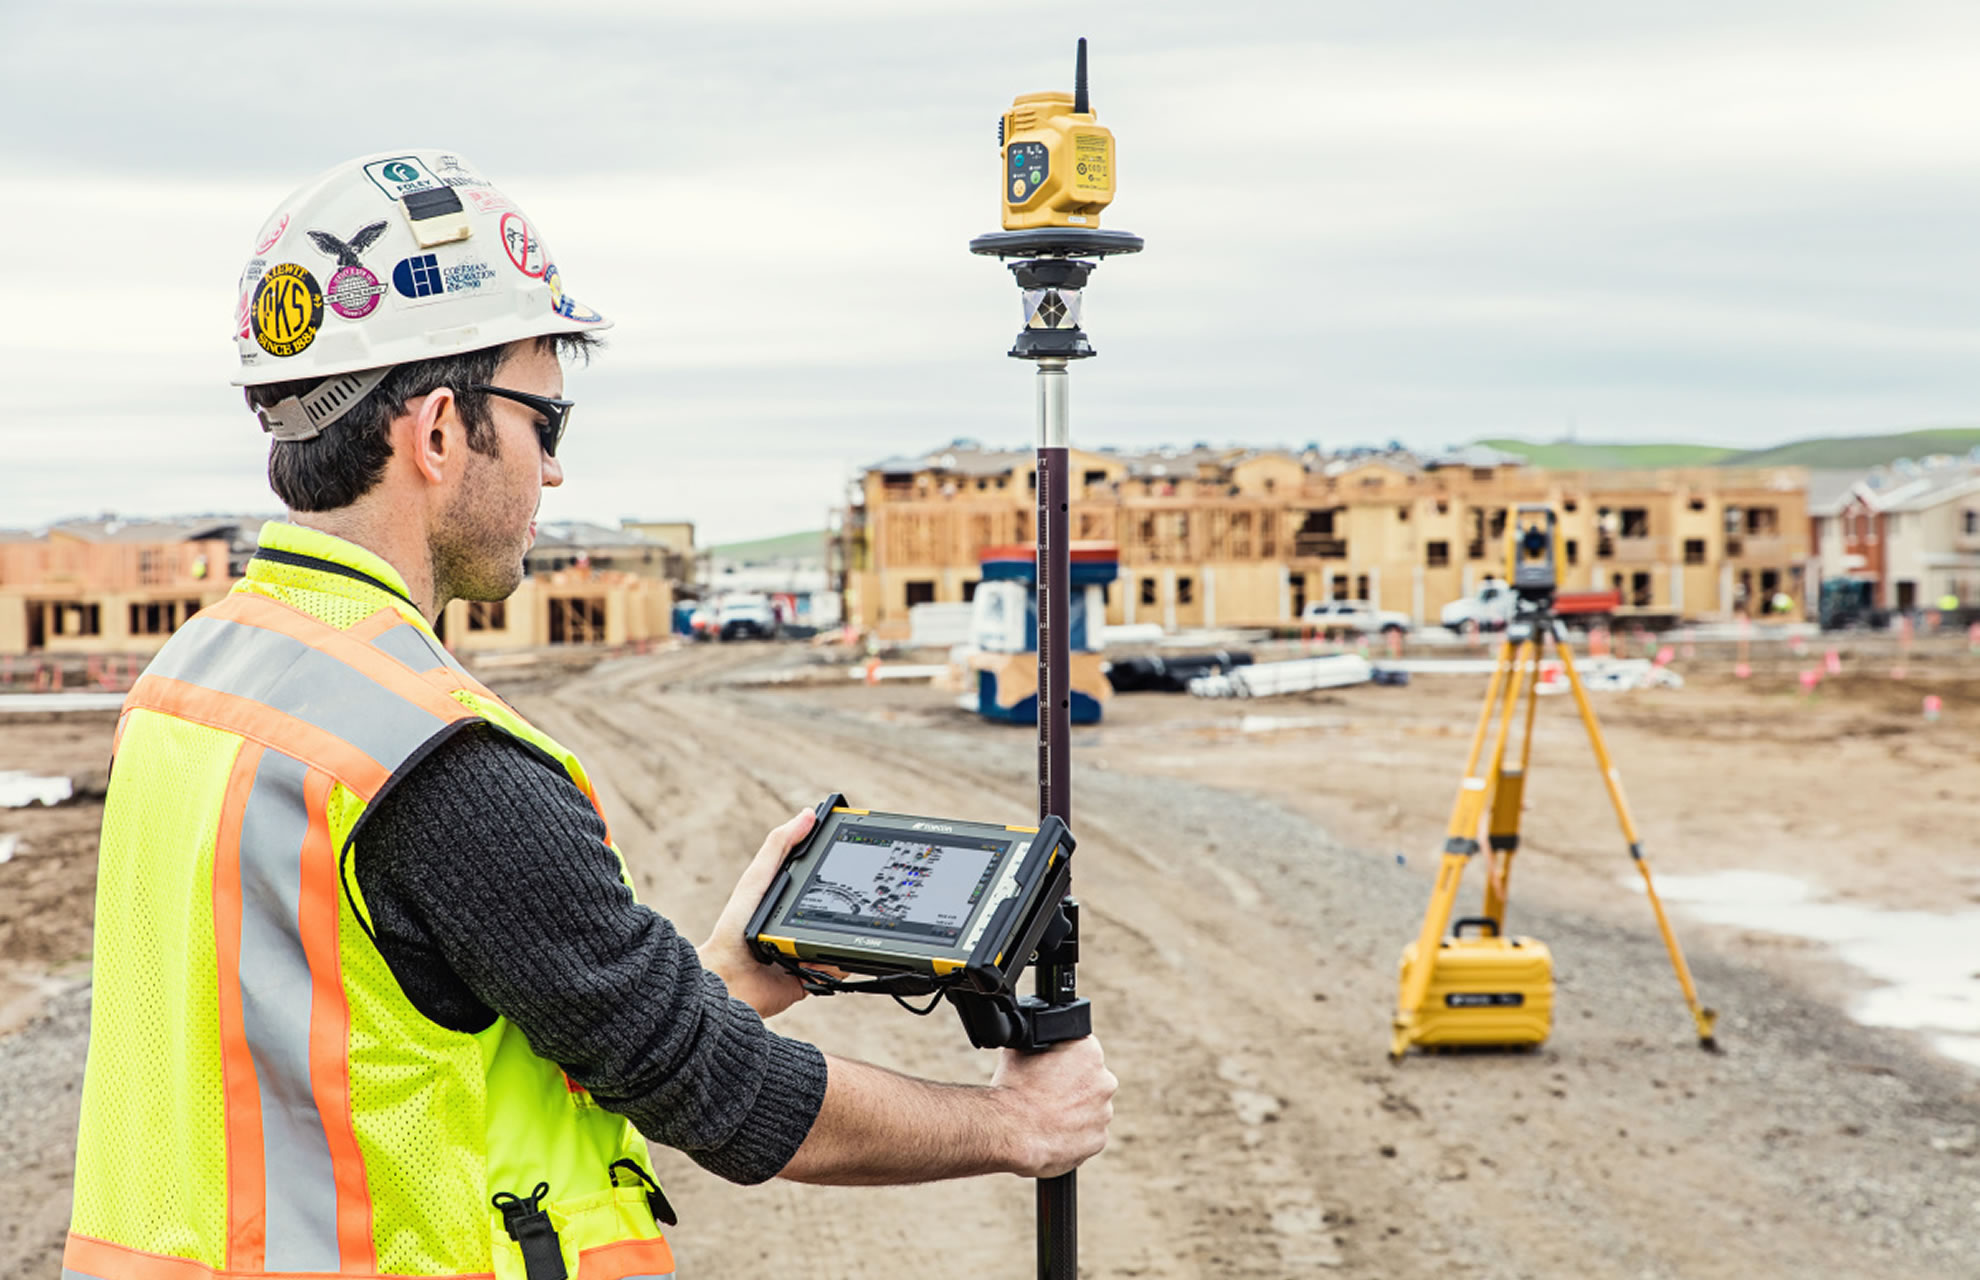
(1080, 104)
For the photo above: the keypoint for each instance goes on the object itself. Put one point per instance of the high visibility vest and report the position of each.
(261, 1098)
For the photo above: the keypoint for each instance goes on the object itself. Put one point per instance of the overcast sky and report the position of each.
(1727, 222)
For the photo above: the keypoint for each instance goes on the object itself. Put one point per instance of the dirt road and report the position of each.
(1243, 909)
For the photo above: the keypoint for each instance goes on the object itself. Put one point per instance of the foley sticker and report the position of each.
(288, 310)
(400, 176)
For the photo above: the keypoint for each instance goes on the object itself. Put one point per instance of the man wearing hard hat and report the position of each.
(373, 995)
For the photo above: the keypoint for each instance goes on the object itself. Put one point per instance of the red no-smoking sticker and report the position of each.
(525, 248)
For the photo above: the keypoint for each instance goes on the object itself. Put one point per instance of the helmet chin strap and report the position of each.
(305, 417)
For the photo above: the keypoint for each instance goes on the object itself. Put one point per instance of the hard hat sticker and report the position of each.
(421, 279)
(354, 292)
(400, 176)
(524, 245)
(267, 241)
(288, 310)
(455, 174)
(571, 309)
(244, 309)
(485, 200)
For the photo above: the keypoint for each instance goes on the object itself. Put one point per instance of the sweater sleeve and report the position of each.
(493, 891)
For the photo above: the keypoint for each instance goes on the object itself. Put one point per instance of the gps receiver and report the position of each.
(926, 906)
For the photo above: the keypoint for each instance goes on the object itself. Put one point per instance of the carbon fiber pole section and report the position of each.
(1058, 1198)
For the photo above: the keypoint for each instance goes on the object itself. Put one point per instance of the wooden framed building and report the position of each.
(1239, 537)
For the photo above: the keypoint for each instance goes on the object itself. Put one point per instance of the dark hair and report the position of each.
(341, 465)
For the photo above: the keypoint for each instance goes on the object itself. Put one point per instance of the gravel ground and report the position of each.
(1241, 961)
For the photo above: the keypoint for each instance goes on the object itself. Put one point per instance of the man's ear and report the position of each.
(431, 434)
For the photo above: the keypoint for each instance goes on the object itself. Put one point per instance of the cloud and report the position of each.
(1734, 221)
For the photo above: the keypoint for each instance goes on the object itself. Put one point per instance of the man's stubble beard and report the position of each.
(474, 551)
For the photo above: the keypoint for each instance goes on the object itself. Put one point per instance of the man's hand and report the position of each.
(1062, 1101)
(765, 988)
(1044, 1114)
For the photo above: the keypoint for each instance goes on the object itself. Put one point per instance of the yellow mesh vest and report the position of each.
(261, 1098)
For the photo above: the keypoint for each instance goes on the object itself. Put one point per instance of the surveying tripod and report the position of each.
(1500, 788)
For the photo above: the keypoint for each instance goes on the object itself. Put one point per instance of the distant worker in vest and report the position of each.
(373, 994)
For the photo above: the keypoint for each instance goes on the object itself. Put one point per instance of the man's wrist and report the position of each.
(1013, 1139)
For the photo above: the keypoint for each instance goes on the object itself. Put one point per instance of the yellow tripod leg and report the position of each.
(1460, 843)
(1611, 778)
(1508, 796)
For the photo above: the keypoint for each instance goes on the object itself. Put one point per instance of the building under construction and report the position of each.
(1245, 537)
(112, 587)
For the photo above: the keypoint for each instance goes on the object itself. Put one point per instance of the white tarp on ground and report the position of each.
(60, 702)
(1615, 675)
(1266, 679)
(938, 626)
(1604, 674)
(19, 790)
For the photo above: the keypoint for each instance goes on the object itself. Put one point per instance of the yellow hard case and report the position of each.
(1486, 991)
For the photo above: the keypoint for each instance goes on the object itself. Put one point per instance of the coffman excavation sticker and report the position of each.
(288, 310)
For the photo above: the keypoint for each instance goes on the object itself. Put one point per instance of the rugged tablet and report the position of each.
(952, 902)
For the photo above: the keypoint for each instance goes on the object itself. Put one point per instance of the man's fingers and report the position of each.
(779, 841)
(756, 877)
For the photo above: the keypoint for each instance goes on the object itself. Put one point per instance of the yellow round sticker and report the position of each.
(288, 310)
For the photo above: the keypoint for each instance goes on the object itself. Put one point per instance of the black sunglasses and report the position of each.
(556, 413)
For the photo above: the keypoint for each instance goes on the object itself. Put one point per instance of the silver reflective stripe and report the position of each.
(275, 1010)
(668, 1276)
(69, 1273)
(271, 668)
(415, 648)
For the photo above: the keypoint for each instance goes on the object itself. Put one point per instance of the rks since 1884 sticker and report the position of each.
(288, 310)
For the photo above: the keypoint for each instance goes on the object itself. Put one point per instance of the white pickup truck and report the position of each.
(750, 616)
(1357, 616)
(1490, 609)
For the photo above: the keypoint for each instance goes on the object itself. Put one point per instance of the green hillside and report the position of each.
(1571, 456)
(809, 545)
(1846, 452)
(1861, 451)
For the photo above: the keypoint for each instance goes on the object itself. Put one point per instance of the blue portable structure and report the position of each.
(1001, 677)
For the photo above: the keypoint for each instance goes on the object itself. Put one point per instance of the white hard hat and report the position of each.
(400, 256)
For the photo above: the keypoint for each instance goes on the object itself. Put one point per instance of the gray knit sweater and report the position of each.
(493, 892)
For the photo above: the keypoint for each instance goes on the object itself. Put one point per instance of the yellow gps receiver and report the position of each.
(1058, 160)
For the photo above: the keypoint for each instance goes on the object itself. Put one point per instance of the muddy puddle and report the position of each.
(1926, 964)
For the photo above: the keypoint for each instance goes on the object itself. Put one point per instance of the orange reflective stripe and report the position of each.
(445, 679)
(374, 626)
(88, 1256)
(105, 1261)
(253, 610)
(274, 729)
(247, 1187)
(329, 1031)
(626, 1259)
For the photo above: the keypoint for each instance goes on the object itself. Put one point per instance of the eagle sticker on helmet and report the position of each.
(354, 292)
(288, 310)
